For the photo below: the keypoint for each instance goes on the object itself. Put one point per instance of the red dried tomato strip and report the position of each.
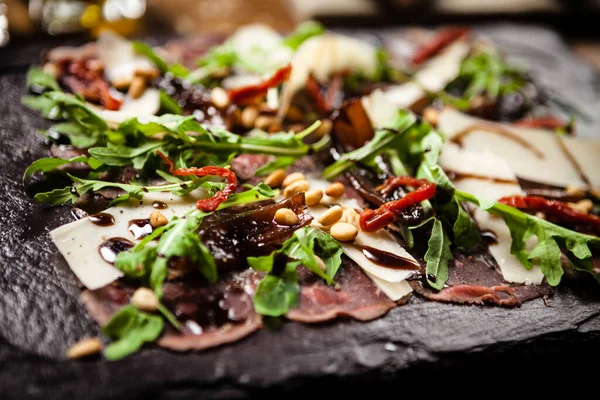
(314, 90)
(545, 122)
(222, 195)
(373, 220)
(556, 211)
(442, 39)
(247, 94)
(91, 85)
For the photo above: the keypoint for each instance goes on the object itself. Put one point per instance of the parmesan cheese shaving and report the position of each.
(533, 154)
(79, 241)
(487, 164)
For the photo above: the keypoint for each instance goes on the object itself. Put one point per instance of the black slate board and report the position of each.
(418, 345)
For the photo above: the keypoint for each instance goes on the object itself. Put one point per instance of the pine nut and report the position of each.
(85, 347)
(320, 263)
(51, 69)
(285, 216)
(145, 299)
(575, 191)
(148, 73)
(350, 216)
(331, 216)
(157, 219)
(293, 177)
(249, 116)
(295, 188)
(324, 128)
(313, 197)
(121, 83)
(343, 231)
(336, 189)
(275, 178)
(219, 97)
(431, 115)
(583, 206)
(263, 121)
(137, 87)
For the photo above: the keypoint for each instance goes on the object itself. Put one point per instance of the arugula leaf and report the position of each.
(122, 155)
(50, 164)
(484, 73)
(438, 255)
(275, 295)
(302, 33)
(131, 328)
(278, 293)
(39, 80)
(168, 104)
(78, 111)
(177, 70)
(44, 105)
(466, 234)
(57, 196)
(181, 240)
(79, 137)
(383, 140)
(550, 239)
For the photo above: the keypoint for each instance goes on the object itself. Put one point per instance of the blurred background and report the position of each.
(23, 22)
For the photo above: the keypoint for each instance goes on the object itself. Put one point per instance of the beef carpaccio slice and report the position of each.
(210, 315)
(354, 295)
(474, 278)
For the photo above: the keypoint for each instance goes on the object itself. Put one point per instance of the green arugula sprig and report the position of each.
(484, 74)
(302, 33)
(550, 239)
(279, 291)
(131, 328)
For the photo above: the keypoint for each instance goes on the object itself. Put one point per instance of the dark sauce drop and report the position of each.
(159, 205)
(140, 228)
(388, 260)
(102, 219)
(113, 246)
(489, 237)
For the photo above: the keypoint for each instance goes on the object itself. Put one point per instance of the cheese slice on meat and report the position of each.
(488, 175)
(533, 154)
(432, 78)
(79, 241)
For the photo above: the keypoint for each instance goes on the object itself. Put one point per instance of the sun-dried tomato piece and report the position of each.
(222, 195)
(556, 211)
(373, 220)
(248, 94)
(545, 122)
(442, 39)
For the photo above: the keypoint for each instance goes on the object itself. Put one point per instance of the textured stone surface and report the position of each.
(40, 314)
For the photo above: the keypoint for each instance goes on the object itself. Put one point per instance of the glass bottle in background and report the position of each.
(71, 16)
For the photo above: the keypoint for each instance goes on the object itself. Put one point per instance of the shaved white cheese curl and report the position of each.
(481, 170)
(324, 55)
(379, 109)
(145, 105)
(432, 77)
(120, 59)
(534, 154)
(259, 48)
(79, 241)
